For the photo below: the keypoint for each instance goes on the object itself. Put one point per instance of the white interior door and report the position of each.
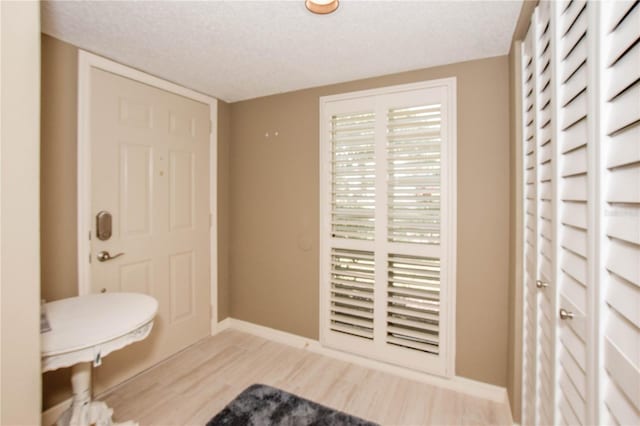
(150, 172)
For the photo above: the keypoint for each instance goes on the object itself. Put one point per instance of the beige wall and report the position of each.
(268, 205)
(19, 188)
(58, 169)
(274, 210)
(58, 195)
(224, 139)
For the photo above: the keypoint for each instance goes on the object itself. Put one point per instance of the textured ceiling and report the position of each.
(237, 50)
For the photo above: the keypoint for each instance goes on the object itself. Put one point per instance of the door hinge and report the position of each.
(89, 257)
(89, 235)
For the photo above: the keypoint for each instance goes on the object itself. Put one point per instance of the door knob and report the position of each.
(103, 256)
(564, 314)
(541, 284)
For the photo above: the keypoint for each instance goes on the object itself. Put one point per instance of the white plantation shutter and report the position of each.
(575, 146)
(620, 340)
(413, 143)
(413, 303)
(354, 170)
(352, 285)
(581, 208)
(388, 206)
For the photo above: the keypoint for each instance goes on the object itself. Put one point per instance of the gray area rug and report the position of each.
(261, 405)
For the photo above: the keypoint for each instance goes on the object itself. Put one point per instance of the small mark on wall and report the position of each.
(270, 135)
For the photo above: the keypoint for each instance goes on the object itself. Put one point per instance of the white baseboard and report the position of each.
(458, 384)
(50, 416)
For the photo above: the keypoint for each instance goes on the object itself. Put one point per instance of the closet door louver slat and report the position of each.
(620, 280)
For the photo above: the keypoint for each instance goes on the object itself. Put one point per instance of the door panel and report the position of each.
(575, 149)
(546, 253)
(150, 170)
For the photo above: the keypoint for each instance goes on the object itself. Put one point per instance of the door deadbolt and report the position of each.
(103, 225)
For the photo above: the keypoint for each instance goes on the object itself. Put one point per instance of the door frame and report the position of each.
(86, 61)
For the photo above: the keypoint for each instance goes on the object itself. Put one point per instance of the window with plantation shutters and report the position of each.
(387, 180)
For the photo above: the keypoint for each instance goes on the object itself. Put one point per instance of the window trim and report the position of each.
(448, 221)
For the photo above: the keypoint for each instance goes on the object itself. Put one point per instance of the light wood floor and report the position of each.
(194, 385)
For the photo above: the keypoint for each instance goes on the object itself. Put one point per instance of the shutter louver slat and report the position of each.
(413, 321)
(413, 155)
(353, 171)
(352, 285)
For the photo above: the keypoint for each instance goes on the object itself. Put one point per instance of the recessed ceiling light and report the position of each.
(322, 7)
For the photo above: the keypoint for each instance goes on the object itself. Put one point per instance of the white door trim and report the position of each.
(86, 61)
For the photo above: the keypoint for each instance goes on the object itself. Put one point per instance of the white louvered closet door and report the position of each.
(576, 147)
(539, 147)
(545, 158)
(387, 256)
(620, 214)
(588, 190)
